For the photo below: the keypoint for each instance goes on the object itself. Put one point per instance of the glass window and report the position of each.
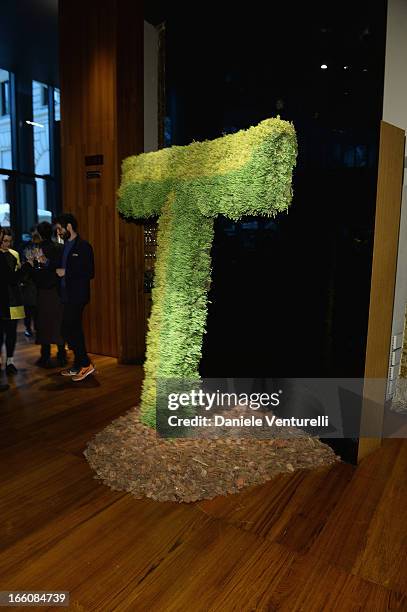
(27, 191)
(167, 132)
(42, 213)
(44, 95)
(4, 203)
(5, 121)
(361, 155)
(41, 129)
(57, 104)
(4, 98)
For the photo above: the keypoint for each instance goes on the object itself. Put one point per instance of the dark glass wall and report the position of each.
(29, 155)
(29, 121)
(289, 296)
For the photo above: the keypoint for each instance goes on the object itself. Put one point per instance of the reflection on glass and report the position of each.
(41, 128)
(4, 204)
(5, 121)
(57, 104)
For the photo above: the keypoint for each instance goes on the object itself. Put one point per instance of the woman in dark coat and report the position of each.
(44, 261)
(11, 303)
(28, 288)
(5, 276)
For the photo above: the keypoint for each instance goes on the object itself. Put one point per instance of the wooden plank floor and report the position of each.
(333, 539)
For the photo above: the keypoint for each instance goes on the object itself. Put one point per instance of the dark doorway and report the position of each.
(290, 295)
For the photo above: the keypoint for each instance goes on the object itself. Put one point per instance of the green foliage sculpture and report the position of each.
(247, 173)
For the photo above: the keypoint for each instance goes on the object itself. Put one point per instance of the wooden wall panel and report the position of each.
(102, 114)
(387, 224)
(130, 48)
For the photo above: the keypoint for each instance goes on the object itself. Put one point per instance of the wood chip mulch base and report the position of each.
(128, 456)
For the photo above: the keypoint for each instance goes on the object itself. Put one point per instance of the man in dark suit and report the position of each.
(76, 271)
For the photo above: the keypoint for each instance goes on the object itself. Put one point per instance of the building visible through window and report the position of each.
(30, 193)
(4, 203)
(41, 128)
(57, 104)
(5, 121)
(5, 98)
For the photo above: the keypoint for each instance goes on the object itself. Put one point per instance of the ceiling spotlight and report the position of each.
(324, 66)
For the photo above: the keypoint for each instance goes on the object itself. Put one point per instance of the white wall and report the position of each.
(150, 87)
(395, 112)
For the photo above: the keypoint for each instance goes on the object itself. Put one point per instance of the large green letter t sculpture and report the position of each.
(247, 173)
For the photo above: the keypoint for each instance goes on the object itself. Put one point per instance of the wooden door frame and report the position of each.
(383, 283)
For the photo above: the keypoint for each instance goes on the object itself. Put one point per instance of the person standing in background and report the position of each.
(12, 308)
(28, 289)
(4, 274)
(49, 307)
(76, 271)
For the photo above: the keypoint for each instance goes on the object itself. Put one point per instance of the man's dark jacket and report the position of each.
(79, 270)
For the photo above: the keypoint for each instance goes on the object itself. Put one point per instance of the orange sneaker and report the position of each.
(83, 373)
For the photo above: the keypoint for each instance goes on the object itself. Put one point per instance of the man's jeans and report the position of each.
(72, 332)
